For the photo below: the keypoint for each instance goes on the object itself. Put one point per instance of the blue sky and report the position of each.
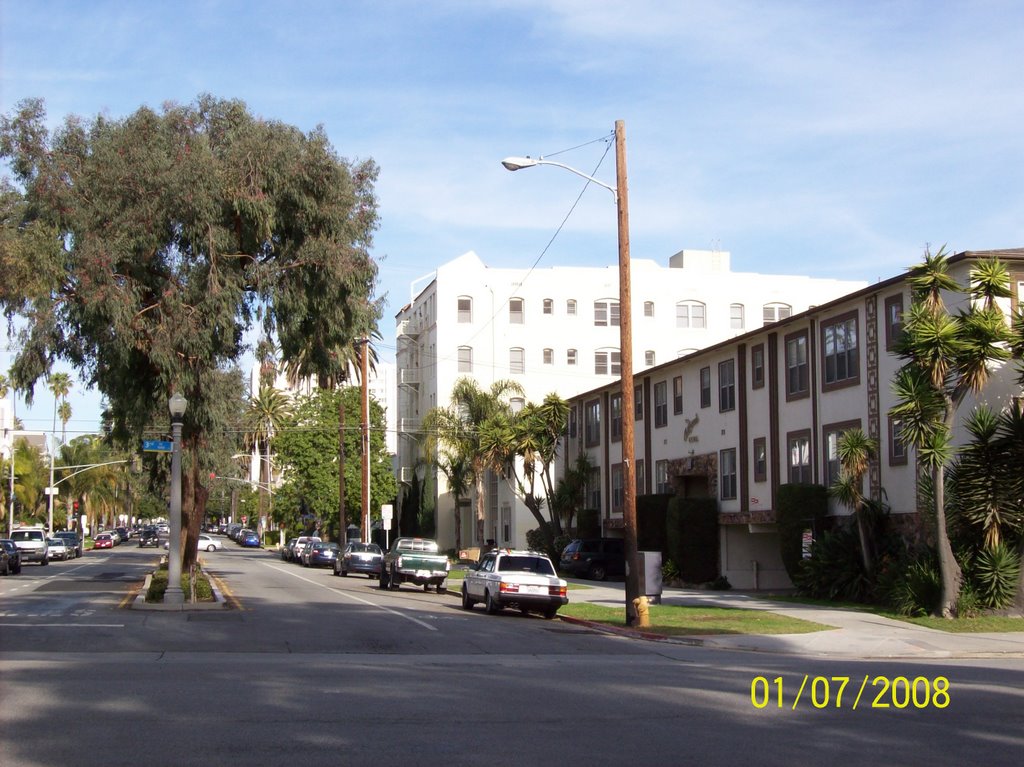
(833, 139)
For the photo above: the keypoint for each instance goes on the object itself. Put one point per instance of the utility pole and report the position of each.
(364, 361)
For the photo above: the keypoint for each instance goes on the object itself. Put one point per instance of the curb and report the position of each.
(140, 603)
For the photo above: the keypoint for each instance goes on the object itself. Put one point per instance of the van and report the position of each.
(594, 558)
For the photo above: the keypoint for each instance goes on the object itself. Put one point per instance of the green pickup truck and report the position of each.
(414, 560)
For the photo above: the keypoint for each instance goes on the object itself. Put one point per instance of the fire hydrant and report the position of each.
(643, 617)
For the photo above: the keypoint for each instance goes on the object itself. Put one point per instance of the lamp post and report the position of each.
(9, 448)
(621, 195)
(174, 594)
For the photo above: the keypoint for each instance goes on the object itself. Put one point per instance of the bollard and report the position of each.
(643, 618)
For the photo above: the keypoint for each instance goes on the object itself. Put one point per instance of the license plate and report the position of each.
(533, 590)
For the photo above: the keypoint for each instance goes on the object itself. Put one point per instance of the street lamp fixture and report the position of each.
(174, 594)
(620, 193)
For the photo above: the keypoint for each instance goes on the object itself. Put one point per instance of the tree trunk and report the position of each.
(342, 522)
(479, 482)
(865, 542)
(458, 525)
(948, 567)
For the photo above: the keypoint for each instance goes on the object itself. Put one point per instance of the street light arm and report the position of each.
(518, 163)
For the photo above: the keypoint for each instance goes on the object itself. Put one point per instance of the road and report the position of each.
(316, 669)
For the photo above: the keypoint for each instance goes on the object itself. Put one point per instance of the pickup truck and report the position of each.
(31, 542)
(414, 560)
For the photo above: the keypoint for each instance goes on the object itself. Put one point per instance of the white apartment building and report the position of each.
(555, 329)
(736, 420)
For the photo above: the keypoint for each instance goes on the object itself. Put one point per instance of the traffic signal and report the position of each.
(75, 505)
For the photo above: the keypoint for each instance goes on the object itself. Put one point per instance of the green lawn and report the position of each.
(672, 620)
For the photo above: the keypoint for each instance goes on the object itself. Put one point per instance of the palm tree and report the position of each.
(266, 414)
(458, 472)
(64, 413)
(947, 357)
(60, 385)
(461, 426)
(855, 450)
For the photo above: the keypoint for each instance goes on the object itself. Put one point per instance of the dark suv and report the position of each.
(149, 537)
(594, 558)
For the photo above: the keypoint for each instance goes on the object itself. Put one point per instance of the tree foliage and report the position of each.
(141, 249)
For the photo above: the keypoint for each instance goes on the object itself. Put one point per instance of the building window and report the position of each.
(570, 307)
(641, 478)
(516, 404)
(465, 309)
(705, 387)
(618, 492)
(736, 316)
(677, 395)
(594, 489)
(840, 353)
(897, 447)
(606, 313)
(757, 366)
(549, 306)
(607, 363)
(649, 357)
(726, 386)
(799, 448)
(833, 433)
(516, 361)
(760, 459)
(661, 484)
(615, 417)
(727, 474)
(573, 426)
(797, 371)
(465, 359)
(893, 321)
(661, 404)
(516, 311)
(592, 423)
(648, 308)
(690, 314)
(549, 356)
(776, 312)
(570, 357)
(506, 523)
(638, 403)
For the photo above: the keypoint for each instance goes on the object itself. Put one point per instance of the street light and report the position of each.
(621, 194)
(174, 594)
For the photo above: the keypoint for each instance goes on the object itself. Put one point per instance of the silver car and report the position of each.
(507, 578)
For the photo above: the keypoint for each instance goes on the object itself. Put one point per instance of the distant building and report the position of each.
(555, 329)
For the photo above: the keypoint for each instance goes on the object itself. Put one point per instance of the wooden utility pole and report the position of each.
(364, 360)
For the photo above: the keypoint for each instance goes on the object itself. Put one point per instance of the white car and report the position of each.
(205, 543)
(507, 578)
(59, 549)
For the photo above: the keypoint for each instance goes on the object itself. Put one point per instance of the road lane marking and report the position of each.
(54, 625)
(352, 596)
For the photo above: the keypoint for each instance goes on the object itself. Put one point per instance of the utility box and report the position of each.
(649, 564)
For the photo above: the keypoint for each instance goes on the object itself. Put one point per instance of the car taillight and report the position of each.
(576, 555)
(399, 561)
(556, 591)
(509, 588)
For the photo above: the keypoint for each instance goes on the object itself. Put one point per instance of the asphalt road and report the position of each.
(315, 669)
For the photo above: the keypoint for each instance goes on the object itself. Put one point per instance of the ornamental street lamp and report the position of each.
(174, 594)
(620, 193)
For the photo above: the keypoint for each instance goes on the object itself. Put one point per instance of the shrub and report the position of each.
(835, 569)
(692, 537)
(994, 572)
(799, 507)
(919, 590)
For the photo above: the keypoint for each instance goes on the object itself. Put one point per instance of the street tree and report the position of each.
(855, 450)
(268, 411)
(141, 249)
(947, 356)
(460, 426)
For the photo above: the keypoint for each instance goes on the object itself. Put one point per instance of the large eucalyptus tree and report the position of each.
(141, 249)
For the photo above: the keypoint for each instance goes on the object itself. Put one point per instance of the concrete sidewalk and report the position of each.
(856, 634)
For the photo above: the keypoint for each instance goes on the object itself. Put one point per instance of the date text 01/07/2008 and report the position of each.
(831, 692)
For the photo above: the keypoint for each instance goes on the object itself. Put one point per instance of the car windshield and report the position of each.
(27, 535)
(371, 548)
(522, 564)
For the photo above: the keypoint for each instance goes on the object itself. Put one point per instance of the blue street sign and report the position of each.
(157, 446)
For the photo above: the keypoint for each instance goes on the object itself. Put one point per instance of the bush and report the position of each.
(994, 573)
(799, 507)
(918, 589)
(835, 569)
(691, 529)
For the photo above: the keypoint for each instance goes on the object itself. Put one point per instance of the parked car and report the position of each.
(414, 560)
(249, 539)
(507, 578)
(74, 540)
(359, 558)
(5, 561)
(149, 537)
(209, 543)
(594, 558)
(31, 541)
(59, 548)
(321, 554)
(300, 546)
(286, 550)
(123, 534)
(103, 541)
(13, 555)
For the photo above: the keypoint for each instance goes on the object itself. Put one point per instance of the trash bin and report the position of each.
(649, 565)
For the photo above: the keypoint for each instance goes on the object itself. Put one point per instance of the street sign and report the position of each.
(157, 446)
(51, 491)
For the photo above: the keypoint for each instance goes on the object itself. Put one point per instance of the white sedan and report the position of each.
(205, 542)
(523, 579)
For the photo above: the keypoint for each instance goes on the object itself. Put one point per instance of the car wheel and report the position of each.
(211, 547)
(467, 603)
(442, 588)
(426, 587)
(45, 561)
(550, 612)
(597, 572)
(490, 605)
(384, 584)
(394, 580)
(344, 574)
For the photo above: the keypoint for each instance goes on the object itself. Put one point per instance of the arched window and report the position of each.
(465, 309)
(691, 314)
(775, 312)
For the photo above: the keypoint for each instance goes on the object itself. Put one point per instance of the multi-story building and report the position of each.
(736, 420)
(555, 329)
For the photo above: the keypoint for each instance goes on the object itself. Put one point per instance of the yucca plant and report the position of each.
(995, 571)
